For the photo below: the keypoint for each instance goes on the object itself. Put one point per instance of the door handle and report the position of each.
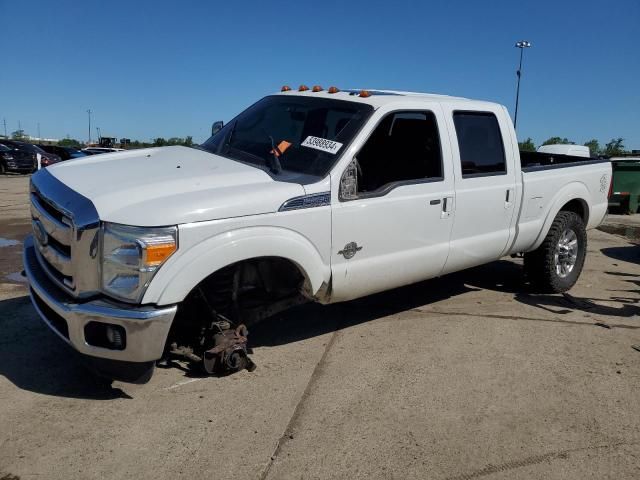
(508, 198)
(447, 207)
(434, 202)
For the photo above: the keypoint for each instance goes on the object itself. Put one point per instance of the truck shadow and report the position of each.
(503, 276)
(628, 253)
(311, 320)
(34, 359)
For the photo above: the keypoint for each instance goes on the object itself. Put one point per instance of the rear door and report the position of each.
(485, 184)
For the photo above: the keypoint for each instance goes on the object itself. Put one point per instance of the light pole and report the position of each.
(89, 113)
(522, 44)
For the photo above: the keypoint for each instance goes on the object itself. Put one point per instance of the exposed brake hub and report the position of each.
(229, 353)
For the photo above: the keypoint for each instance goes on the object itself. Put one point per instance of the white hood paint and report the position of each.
(172, 185)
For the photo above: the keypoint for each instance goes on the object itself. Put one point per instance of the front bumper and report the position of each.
(146, 327)
(17, 167)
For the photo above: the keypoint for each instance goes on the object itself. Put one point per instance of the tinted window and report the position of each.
(405, 146)
(480, 142)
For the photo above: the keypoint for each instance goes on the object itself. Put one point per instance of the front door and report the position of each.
(394, 228)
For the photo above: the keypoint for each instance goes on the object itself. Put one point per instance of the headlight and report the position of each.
(131, 256)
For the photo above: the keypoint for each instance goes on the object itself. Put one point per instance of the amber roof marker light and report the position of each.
(333, 90)
(317, 88)
(303, 88)
(285, 88)
(364, 93)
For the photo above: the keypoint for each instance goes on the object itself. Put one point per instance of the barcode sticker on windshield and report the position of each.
(322, 144)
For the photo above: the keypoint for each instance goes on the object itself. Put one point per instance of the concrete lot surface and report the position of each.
(470, 376)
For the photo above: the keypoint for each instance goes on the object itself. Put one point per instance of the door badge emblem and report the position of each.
(350, 250)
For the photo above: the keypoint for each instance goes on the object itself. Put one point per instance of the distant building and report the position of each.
(31, 139)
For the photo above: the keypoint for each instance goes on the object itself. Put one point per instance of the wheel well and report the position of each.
(579, 207)
(244, 292)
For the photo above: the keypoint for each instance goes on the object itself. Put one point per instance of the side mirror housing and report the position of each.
(349, 182)
(216, 127)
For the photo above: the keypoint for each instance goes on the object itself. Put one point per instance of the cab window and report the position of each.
(404, 148)
(480, 144)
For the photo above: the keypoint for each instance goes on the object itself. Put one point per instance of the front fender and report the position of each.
(179, 276)
(571, 191)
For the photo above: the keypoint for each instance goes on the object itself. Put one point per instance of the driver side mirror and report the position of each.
(349, 182)
(216, 127)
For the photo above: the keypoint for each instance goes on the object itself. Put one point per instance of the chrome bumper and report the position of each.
(146, 327)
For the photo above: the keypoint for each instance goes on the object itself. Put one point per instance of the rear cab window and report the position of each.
(480, 144)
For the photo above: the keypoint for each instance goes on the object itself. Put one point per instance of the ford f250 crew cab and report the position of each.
(308, 195)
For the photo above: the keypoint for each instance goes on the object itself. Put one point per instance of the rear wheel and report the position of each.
(3, 168)
(555, 266)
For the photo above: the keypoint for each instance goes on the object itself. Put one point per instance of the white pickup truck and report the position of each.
(308, 195)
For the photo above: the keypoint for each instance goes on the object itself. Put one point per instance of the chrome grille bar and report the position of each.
(56, 259)
(54, 227)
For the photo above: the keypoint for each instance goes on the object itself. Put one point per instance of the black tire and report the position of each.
(541, 266)
(3, 168)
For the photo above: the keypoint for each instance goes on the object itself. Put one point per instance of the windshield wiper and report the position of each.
(276, 166)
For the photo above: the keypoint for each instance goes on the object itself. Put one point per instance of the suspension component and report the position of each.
(229, 353)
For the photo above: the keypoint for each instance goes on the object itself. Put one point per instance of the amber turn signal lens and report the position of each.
(316, 88)
(333, 90)
(364, 94)
(303, 88)
(157, 254)
(286, 88)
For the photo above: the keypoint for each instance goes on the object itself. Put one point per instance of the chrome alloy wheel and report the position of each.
(566, 254)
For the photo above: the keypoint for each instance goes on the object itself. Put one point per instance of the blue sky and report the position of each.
(169, 68)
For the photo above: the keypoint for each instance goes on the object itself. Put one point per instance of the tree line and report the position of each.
(611, 149)
(156, 142)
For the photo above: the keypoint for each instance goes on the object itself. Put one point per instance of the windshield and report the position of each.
(305, 135)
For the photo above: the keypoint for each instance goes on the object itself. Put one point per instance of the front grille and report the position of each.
(50, 209)
(65, 232)
(60, 247)
(61, 280)
(53, 233)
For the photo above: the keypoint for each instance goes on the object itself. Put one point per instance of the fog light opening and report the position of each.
(115, 337)
(105, 335)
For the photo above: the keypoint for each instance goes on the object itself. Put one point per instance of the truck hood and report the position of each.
(172, 185)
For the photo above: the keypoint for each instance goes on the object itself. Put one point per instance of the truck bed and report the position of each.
(549, 179)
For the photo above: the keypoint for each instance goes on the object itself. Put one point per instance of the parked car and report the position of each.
(14, 160)
(96, 150)
(65, 153)
(42, 158)
(322, 196)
